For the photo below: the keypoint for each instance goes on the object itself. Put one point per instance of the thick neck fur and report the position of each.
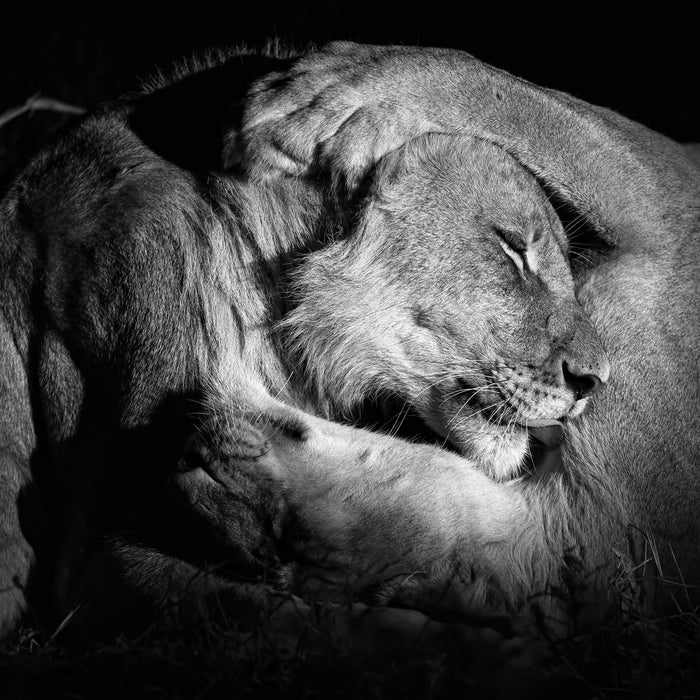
(334, 352)
(342, 329)
(275, 296)
(255, 233)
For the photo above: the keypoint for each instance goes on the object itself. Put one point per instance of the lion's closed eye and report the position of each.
(514, 247)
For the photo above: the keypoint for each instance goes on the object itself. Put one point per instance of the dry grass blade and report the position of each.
(39, 103)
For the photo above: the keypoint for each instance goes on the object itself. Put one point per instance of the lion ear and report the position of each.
(383, 175)
(409, 158)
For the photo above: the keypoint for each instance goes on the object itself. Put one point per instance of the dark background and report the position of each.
(639, 59)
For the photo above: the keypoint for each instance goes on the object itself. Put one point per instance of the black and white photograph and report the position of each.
(349, 350)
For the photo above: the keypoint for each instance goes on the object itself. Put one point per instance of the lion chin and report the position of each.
(499, 451)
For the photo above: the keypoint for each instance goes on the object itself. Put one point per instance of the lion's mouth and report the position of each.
(544, 453)
(544, 436)
(402, 420)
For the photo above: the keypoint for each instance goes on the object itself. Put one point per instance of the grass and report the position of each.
(25, 127)
(631, 656)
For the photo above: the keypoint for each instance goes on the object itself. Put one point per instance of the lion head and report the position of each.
(452, 291)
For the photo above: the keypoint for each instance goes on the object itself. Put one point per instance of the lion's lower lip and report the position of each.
(548, 435)
(545, 448)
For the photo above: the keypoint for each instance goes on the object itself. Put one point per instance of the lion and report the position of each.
(624, 494)
(143, 282)
(126, 299)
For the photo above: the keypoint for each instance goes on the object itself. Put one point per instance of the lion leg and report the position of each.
(16, 553)
(367, 514)
(16, 443)
(234, 457)
(344, 107)
(131, 588)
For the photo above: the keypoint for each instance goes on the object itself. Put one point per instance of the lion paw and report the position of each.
(217, 443)
(228, 482)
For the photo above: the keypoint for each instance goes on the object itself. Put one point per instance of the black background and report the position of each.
(637, 58)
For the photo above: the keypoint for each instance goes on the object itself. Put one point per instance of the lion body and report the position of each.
(130, 288)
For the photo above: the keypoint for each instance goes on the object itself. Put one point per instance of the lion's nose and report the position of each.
(582, 383)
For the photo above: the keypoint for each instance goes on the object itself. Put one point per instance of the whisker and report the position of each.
(494, 407)
(475, 390)
(400, 419)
